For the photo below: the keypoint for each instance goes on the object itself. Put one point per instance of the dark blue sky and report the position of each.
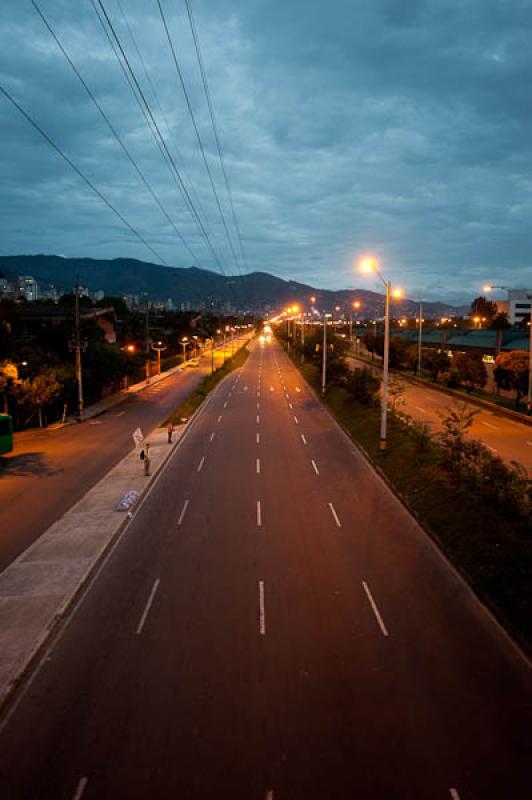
(397, 127)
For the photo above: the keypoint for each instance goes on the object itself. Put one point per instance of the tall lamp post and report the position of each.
(489, 288)
(183, 344)
(355, 305)
(158, 347)
(370, 265)
(324, 354)
(420, 337)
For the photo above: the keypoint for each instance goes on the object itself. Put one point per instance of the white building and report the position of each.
(519, 304)
(28, 288)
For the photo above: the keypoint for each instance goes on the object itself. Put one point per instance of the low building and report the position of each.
(519, 305)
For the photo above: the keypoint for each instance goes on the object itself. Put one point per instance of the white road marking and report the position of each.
(335, 515)
(120, 414)
(183, 512)
(262, 614)
(316, 470)
(258, 438)
(258, 405)
(230, 394)
(82, 785)
(269, 795)
(303, 438)
(225, 404)
(258, 466)
(489, 425)
(272, 389)
(219, 418)
(491, 448)
(454, 794)
(259, 514)
(213, 434)
(258, 420)
(298, 389)
(245, 388)
(529, 444)
(290, 405)
(296, 420)
(148, 606)
(375, 609)
(420, 408)
(201, 463)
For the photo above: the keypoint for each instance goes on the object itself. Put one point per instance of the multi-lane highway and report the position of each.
(273, 625)
(50, 470)
(508, 438)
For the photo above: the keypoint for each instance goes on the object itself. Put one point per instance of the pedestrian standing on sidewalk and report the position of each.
(170, 432)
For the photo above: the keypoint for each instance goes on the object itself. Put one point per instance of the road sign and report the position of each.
(138, 437)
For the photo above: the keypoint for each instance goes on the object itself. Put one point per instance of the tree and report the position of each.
(435, 361)
(364, 386)
(482, 307)
(35, 393)
(511, 372)
(456, 423)
(471, 369)
(8, 376)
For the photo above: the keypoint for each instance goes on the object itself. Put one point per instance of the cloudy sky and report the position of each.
(396, 127)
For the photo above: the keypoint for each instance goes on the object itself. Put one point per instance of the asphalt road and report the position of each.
(50, 470)
(508, 438)
(272, 625)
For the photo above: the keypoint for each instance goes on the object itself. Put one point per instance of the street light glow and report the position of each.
(397, 293)
(367, 265)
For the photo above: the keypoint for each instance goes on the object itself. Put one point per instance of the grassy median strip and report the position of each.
(492, 550)
(196, 398)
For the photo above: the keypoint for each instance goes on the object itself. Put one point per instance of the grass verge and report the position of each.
(185, 409)
(491, 550)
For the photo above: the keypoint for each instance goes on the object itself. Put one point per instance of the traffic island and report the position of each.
(40, 586)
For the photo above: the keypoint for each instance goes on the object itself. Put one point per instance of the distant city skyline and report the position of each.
(400, 129)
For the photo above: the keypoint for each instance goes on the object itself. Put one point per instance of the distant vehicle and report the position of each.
(6, 434)
(194, 362)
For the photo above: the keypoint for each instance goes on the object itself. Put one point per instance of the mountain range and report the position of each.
(253, 291)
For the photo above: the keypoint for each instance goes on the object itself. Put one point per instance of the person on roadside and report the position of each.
(170, 432)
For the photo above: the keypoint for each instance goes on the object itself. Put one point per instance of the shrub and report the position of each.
(364, 386)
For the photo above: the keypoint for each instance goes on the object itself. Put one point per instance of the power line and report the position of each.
(214, 126)
(184, 191)
(112, 129)
(200, 143)
(78, 171)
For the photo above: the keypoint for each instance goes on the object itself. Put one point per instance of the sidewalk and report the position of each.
(37, 589)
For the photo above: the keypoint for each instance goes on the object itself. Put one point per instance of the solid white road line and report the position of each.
(262, 615)
(82, 785)
(454, 794)
(296, 420)
(375, 609)
(258, 466)
(183, 512)
(200, 465)
(335, 515)
(303, 438)
(489, 425)
(259, 514)
(213, 434)
(148, 606)
(258, 438)
(316, 470)
(219, 418)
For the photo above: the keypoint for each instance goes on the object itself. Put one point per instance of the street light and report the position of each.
(354, 305)
(489, 288)
(158, 347)
(183, 344)
(370, 265)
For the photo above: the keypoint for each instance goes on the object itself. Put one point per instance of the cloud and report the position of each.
(401, 128)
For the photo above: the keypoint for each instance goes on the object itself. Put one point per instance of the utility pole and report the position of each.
(77, 345)
(420, 334)
(147, 340)
(384, 406)
(324, 359)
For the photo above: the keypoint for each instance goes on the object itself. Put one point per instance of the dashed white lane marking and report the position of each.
(258, 466)
(120, 414)
(259, 514)
(491, 448)
(258, 438)
(272, 389)
(489, 425)
(230, 394)
(225, 404)
(373, 605)
(183, 512)
(213, 434)
(148, 606)
(529, 444)
(200, 465)
(82, 785)
(454, 794)
(269, 795)
(420, 408)
(296, 420)
(245, 388)
(262, 613)
(258, 420)
(258, 405)
(298, 389)
(335, 515)
(219, 418)
(290, 405)
(303, 438)
(316, 470)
